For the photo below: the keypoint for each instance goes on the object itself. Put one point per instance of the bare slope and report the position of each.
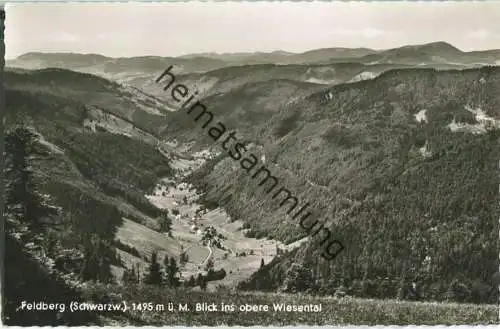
(144, 111)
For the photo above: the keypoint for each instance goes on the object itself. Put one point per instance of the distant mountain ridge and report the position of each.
(212, 72)
(284, 57)
(435, 52)
(438, 48)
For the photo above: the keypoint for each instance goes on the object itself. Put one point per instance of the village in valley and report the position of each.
(209, 237)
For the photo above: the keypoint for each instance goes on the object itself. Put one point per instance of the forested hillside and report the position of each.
(68, 186)
(402, 168)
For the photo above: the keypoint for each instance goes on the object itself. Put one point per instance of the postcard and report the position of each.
(251, 163)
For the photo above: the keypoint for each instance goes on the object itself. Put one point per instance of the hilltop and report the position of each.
(283, 57)
(134, 69)
(210, 74)
(433, 53)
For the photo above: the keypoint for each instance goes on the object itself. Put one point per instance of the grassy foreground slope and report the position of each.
(333, 310)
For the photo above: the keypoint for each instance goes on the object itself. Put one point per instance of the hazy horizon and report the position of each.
(238, 52)
(173, 29)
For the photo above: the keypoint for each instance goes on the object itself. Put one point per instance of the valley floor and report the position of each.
(240, 257)
(187, 231)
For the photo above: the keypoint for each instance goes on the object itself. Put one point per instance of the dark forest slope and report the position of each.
(410, 200)
(72, 173)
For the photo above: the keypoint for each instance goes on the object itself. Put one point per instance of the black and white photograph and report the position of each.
(250, 163)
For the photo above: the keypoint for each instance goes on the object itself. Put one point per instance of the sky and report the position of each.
(173, 29)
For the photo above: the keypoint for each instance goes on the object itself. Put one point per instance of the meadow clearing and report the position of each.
(333, 311)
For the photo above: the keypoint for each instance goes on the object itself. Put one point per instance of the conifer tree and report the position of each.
(165, 223)
(84, 114)
(96, 260)
(201, 282)
(154, 275)
(191, 282)
(130, 275)
(183, 257)
(298, 278)
(209, 265)
(136, 273)
(171, 271)
(23, 199)
(126, 278)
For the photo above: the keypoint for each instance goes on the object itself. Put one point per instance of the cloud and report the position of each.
(479, 34)
(61, 37)
(360, 33)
